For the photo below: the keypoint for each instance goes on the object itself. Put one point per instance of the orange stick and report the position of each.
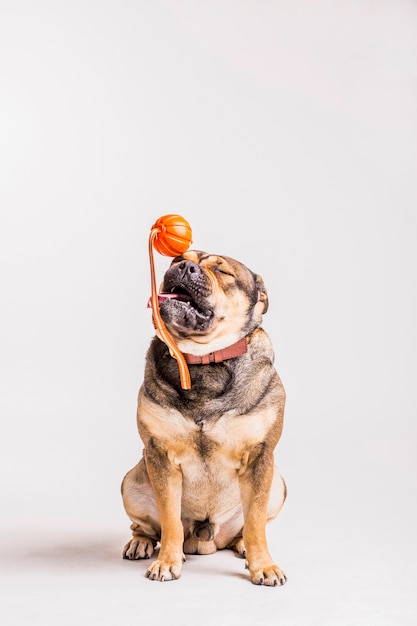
(159, 323)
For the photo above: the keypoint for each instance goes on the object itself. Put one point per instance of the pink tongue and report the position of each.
(166, 296)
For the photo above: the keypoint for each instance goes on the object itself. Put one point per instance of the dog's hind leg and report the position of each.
(140, 505)
(141, 546)
(238, 546)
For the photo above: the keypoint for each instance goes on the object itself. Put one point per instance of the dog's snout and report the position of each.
(188, 268)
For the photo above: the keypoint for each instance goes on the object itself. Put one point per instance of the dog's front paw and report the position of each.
(139, 547)
(271, 576)
(165, 569)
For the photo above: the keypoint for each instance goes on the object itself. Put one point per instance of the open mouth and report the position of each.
(173, 296)
(186, 310)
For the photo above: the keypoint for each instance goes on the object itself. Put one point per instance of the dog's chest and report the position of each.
(224, 442)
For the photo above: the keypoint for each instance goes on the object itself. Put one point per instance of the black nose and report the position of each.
(188, 269)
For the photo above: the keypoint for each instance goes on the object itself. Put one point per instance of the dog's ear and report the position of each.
(262, 293)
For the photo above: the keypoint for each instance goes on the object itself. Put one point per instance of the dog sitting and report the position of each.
(207, 478)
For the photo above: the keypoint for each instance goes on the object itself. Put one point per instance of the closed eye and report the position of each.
(222, 271)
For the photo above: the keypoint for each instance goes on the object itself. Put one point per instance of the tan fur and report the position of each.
(207, 478)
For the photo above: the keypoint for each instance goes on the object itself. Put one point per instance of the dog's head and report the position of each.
(214, 301)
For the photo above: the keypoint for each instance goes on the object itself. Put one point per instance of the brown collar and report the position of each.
(236, 349)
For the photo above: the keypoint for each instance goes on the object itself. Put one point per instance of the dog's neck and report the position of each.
(218, 356)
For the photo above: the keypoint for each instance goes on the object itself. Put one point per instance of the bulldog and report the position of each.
(207, 478)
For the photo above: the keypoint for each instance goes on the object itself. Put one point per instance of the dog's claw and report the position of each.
(238, 546)
(139, 548)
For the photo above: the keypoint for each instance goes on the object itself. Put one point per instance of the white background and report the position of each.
(285, 133)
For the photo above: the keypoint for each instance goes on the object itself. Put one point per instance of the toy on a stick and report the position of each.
(171, 236)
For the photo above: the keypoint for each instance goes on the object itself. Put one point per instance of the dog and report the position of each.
(207, 479)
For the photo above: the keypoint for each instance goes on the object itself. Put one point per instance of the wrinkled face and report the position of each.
(211, 298)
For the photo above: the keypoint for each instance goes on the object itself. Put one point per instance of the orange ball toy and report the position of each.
(170, 236)
(173, 236)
